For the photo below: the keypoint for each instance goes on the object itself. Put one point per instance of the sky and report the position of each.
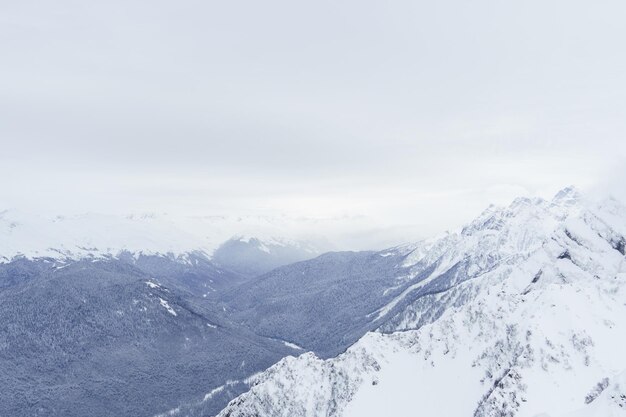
(410, 114)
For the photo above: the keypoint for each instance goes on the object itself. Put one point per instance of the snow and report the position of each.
(527, 333)
(91, 235)
(166, 305)
(292, 345)
(269, 242)
(387, 309)
(610, 402)
(172, 412)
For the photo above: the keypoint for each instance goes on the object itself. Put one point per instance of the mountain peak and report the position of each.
(567, 196)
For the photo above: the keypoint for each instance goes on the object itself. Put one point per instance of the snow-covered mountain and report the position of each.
(119, 315)
(32, 235)
(523, 299)
(521, 313)
(97, 236)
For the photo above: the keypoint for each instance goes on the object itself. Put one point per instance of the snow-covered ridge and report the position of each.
(534, 326)
(89, 235)
(33, 235)
(498, 235)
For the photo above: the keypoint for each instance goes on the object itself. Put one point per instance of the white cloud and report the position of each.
(407, 113)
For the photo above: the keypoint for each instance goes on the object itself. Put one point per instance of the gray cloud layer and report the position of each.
(409, 112)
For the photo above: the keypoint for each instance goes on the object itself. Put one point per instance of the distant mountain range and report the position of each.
(524, 300)
(97, 236)
(116, 316)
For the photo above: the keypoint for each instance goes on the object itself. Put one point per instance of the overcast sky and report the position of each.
(408, 112)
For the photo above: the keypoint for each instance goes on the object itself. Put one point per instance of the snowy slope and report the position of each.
(532, 322)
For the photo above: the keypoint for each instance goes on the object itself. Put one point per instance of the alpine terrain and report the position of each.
(110, 316)
(521, 313)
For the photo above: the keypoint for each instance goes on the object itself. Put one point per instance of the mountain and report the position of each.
(110, 338)
(521, 313)
(279, 240)
(152, 242)
(324, 304)
(32, 235)
(118, 315)
(110, 316)
(252, 256)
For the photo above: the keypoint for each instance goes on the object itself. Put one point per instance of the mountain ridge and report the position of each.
(100, 236)
(503, 330)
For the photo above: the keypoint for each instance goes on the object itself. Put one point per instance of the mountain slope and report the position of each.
(530, 323)
(106, 338)
(327, 303)
(324, 304)
(71, 286)
(251, 256)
